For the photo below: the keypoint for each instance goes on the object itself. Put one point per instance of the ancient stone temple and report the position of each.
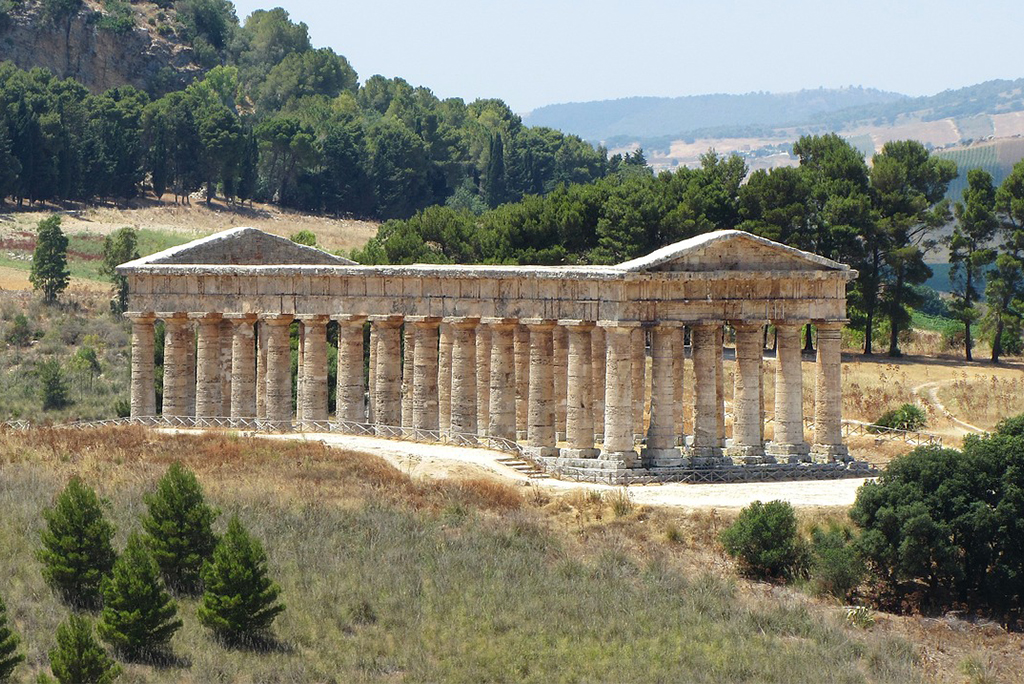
(582, 368)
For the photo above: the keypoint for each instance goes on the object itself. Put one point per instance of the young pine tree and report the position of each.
(49, 271)
(240, 601)
(76, 551)
(78, 657)
(9, 655)
(179, 529)
(139, 617)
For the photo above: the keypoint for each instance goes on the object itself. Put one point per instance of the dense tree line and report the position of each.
(277, 120)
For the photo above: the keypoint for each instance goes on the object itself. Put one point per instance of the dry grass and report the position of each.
(984, 397)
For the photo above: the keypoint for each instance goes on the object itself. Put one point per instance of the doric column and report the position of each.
(483, 379)
(387, 389)
(639, 379)
(541, 426)
(243, 369)
(190, 372)
(597, 353)
(707, 446)
(522, 361)
(662, 437)
(300, 384)
(314, 369)
(828, 396)
(424, 382)
(444, 379)
(678, 384)
(177, 340)
(371, 377)
(350, 393)
(408, 369)
(227, 329)
(261, 370)
(720, 384)
(746, 400)
(464, 386)
(208, 403)
(618, 395)
(502, 395)
(559, 377)
(788, 439)
(279, 371)
(579, 417)
(143, 390)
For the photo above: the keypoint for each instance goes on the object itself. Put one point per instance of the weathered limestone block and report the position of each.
(444, 378)
(597, 353)
(746, 427)
(350, 394)
(314, 369)
(522, 361)
(424, 386)
(208, 385)
(579, 392)
(279, 371)
(559, 376)
(541, 426)
(618, 396)
(483, 379)
(828, 397)
(788, 441)
(502, 394)
(464, 385)
(661, 435)
(387, 397)
(143, 391)
(243, 368)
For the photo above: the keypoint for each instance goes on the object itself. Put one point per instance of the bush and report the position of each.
(122, 408)
(138, 617)
(179, 529)
(764, 539)
(76, 552)
(78, 657)
(53, 386)
(906, 417)
(239, 602)
(9, 655)
(836, 566)
(19, 334)
(304, 237)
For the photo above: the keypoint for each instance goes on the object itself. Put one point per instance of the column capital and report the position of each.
(619, 326)
(241, 317)
(830, 325)
(462, 322)
(276, 319)
(746, 326)
(663, 325)
(204, 316)
(387, 320)
(172, 315)
(500, 322)
(539, 323)
(424, 321)
(576, 324)
(707, 323)
(788, 323)
(349, 319)
(313, 318)
(141, 316)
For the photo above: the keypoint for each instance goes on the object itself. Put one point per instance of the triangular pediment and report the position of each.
(731, 250)
(242, 247)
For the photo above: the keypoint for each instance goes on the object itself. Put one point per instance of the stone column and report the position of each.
(464, 385)
(522, 361)
(788, 440)
(483, 379)
(243, 370)
(371, 377)
(408, 366)
(279, 371)
(300, 380)
(559, 376)
(387, 390)
(177, 341)
(502, 395)
(597, 354)
(227, 331)
(579, 419)
(424, 383)
(444, 379)
(707, 446)
(720, 384)
(678, 384)
(143, 390)
(639, 379)
(662, 437)
(314, 370)
(208, 401)
(828, 396)
(190, 373)
(746, 401)
(261, 370)
(541, 426)
(618, 395)
(350, 393)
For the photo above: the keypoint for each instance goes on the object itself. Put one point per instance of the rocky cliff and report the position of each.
(100, 58)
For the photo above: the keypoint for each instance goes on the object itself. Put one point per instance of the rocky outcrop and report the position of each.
(98, 58)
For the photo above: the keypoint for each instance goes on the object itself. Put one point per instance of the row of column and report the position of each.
(567, 384)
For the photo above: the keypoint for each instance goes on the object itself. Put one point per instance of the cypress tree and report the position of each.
(9, 655)
(76, 551)
(49, 271)
(139, 616)
(179, 529)
(79, 658)
(240, 601)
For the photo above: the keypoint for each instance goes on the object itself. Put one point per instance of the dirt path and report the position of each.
(929, 393)
(440, 461)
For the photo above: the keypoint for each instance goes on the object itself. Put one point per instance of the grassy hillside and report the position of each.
(997, 157)
(387, 579)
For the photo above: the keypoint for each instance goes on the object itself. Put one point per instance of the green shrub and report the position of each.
(9, 655)
(76, 552)
(906, 417)
(764, 539)
(304, 237)
(53, 386)
(122, 408)
(19, 333)
(836, 566)
(78, 657)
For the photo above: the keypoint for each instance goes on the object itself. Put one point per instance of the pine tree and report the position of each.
(179, 529)
(139, 616)
(9, 656)
(239, 602)
(50, 260)
(79, 658)
(76, 551)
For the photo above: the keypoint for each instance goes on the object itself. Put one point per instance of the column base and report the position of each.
(748, 454)
(560, 437)
(568, 452)
(623, 459)
(706, 456)
(521, 435)
(538, 452)
(789, 453)
(828, 453)
(664, 458)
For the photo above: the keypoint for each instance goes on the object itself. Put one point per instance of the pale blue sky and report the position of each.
(536, 52)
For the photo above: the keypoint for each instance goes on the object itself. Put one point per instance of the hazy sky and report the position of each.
(536, 52)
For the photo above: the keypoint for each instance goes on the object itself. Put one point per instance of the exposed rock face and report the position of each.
(99, 59)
